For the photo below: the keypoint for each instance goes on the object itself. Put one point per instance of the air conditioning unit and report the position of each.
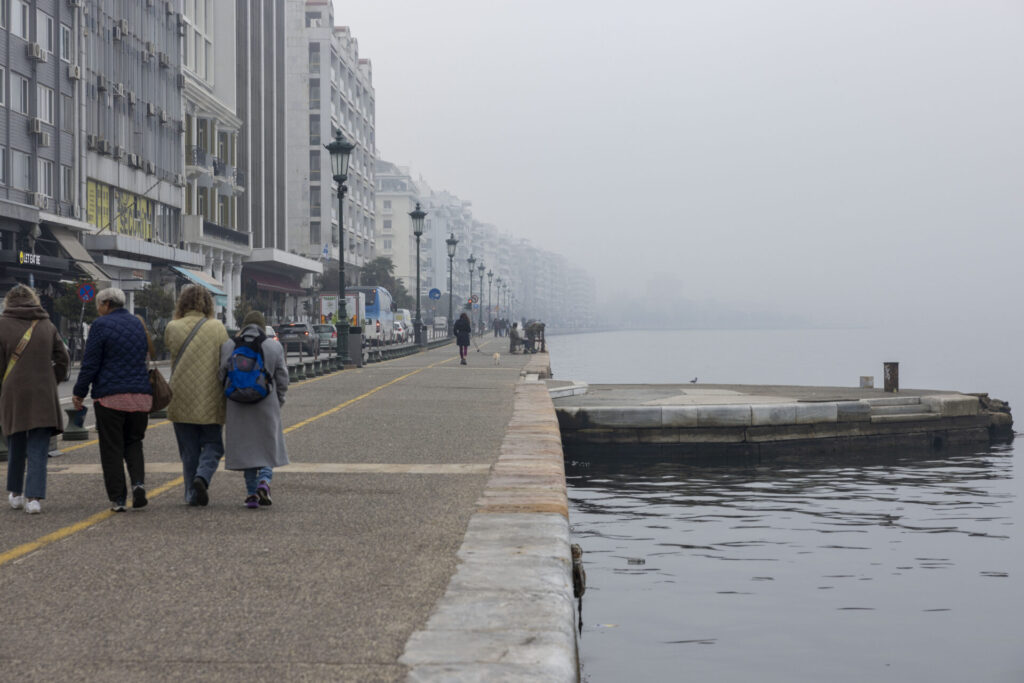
(181, 25)
(133, 160)
(181, 81)
(179, 180)
(76, 211)
(165, 60)
(163, 117)
(115, 32)
(150, 167)
(101, 82)
(35, 126)
(169, 6)
(74, 72)
(104, 146)
(119, 90)
(123, 25)
(150, 109)
(132, 99)
(118, 151)
(44, 139)
(74, 3)
(150, 48)
(37, 199)
(90, 141)
(35, 51)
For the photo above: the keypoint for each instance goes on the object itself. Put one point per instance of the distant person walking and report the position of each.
(194, 338)
(115, 365)
(32, 359)
(253, 435)
(463, 329)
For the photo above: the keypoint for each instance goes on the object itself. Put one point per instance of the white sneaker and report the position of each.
(17, 502)
(33, 507)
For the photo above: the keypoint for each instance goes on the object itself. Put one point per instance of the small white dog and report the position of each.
(497, 359)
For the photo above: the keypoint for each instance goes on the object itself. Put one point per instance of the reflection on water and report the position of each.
(896, 569)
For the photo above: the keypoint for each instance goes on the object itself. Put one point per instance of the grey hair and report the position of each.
(113, 296)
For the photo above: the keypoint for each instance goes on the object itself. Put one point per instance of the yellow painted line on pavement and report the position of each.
(26, 548)
(306, 468)
(32, 546)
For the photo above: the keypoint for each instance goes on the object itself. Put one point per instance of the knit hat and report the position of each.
(254, 318)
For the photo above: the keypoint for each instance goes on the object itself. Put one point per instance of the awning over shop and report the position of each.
(77, 253)
(275, 283)
(204, 280)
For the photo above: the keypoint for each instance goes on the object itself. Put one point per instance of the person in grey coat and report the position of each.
(253, 438)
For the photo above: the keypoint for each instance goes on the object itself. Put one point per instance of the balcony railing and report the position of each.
(198, 156)
(239, 178)
(219, 167)
(212, 229)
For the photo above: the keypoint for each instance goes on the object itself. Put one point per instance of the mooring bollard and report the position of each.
(318, 368)
(309, 370)
(75, 429)
(892, 377)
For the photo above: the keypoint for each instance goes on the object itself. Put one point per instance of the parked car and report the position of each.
(300, 337)
(400, 334)
(328, 335)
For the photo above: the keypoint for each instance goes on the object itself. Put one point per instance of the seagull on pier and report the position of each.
(693, 381)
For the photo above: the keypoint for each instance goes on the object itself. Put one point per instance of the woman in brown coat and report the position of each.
(29, 407)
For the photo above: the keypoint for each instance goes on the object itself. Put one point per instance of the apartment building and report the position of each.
(41, 129)
(276, 277)
(213, 181)
(397, 195)
(331, 88)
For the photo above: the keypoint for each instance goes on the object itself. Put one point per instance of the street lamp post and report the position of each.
(481, 268)
(417, 216)
(497, 294)
(451, 242)
(471, 261)
(490, 312)
(340, 150)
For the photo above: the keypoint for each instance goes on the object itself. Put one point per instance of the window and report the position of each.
(19, 169)
(314, 232)
(67, 184)
(45, 183)
(312, 19)
(200, 56)
(387, 225)
(19, 93)
(387, 245)
(65, 43)
(3, 85)
(3, 13)
(67, 113)
(3, 165)
(314, 165)
(44, 108)
(314, 93)
(314, 58)
(19, 19)
(314, 202)
(314, 129)
(44, 30)
(387, 203)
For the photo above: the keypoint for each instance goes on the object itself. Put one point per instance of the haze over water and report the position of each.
(891, 568)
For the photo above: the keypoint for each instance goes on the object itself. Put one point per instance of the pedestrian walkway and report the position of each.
(389, 464)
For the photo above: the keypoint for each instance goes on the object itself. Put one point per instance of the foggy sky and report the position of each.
(846, 161)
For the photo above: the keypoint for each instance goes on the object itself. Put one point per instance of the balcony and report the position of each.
(197, 162)
(211, 229)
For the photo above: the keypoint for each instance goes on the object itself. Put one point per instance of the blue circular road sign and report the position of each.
(86, 291)
(435, 293)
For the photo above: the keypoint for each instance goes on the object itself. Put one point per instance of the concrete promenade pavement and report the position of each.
(389, 462)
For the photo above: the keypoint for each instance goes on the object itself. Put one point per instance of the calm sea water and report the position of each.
(896, 568)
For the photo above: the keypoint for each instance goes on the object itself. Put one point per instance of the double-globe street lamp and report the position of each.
(497, 293)
(472, 262)
(481, 268)
(340, 150)
(417, 216)
(451, 242)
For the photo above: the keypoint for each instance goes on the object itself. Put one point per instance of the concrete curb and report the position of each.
(508, 613)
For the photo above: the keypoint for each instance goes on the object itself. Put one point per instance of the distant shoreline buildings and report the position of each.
(182, 141)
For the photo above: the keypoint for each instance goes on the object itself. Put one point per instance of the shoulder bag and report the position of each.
(160, 388)
(19, 349)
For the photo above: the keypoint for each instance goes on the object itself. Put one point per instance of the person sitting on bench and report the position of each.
(514, 340)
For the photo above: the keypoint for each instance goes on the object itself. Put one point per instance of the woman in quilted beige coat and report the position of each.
(197, 407)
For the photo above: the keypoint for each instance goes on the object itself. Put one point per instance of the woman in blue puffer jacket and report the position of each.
(115, 365)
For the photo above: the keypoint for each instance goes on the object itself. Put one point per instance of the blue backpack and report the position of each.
(248, 380)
